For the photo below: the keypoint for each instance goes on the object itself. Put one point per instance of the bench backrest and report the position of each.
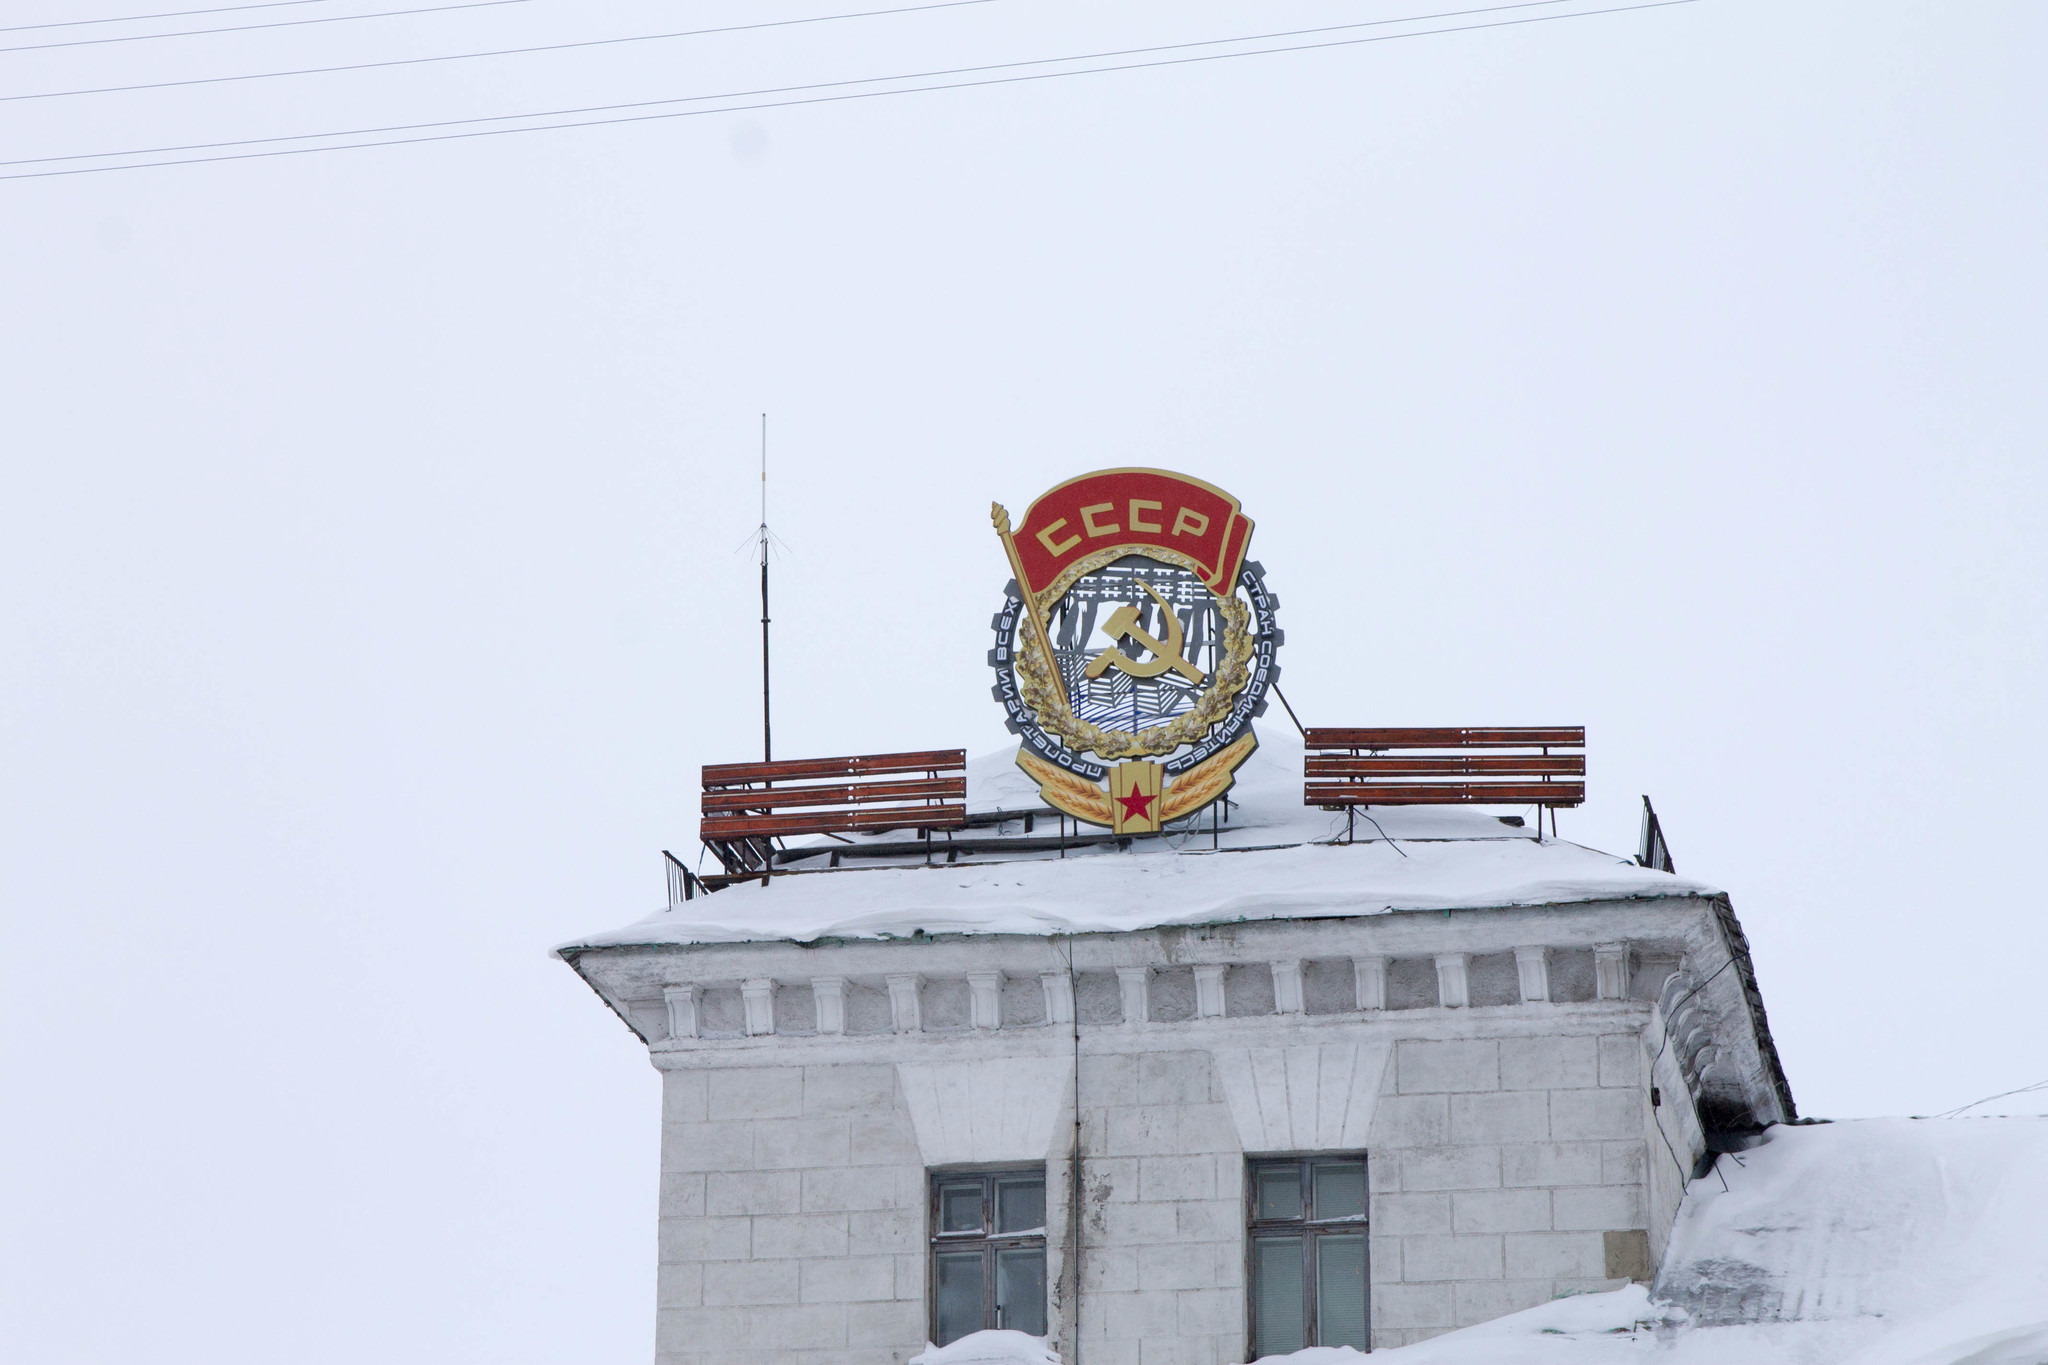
(761, 801)
(1540, 765)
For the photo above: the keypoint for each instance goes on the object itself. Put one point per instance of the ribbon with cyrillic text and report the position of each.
(1133, 510)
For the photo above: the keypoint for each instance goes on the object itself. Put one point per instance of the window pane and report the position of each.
(1278, 1324)
(960, 1208)
(1340, 1189)
(1020, 1205)
(1279, 1192)
(1020, 1289)
(1340, 1290)
(957, 1302)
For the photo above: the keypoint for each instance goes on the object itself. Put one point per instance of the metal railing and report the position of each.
(682, 883)
(1651, 850)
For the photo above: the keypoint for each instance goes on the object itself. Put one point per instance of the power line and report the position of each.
(776, 90)
(174, 14)
(236, 28)
(471, 56)
(2001, 1095)
(827, 85)
(819, 99)
(771, 90)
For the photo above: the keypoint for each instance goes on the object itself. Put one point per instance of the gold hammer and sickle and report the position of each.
(1124, 621)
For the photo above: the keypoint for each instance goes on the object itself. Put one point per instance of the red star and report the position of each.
(1135, 805)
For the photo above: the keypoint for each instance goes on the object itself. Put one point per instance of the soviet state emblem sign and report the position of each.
(1135, 646)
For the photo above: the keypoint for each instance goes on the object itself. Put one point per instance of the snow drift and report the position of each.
(989, 1348)
(1865, 1242)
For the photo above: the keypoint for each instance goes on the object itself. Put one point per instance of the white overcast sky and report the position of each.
(372, 579)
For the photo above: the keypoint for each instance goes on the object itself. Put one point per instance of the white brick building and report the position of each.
(1527, 1044)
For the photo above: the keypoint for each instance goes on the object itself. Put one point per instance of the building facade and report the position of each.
(1526, 1086)
(1210, 1077)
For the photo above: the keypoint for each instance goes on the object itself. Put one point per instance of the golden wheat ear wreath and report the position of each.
(1083, 800)
(1206, 781)
(1040, 688)
(1062, 790)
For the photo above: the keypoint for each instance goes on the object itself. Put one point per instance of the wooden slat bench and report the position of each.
(745, 811)
(1352, 767)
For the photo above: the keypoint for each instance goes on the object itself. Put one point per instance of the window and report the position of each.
(1307, 1224)
(988, 1253)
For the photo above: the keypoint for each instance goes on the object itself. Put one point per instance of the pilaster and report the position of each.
(682, 1010)
(1453, 980)
(903, 1011)
(830, 994)
(1610, 971)
(1136, 984)
(985, 999)
(1532, 965)
(758, 993)
(1371, 975)
(1287, 987)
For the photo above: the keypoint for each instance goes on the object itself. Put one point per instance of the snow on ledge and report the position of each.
(1278, 860)
(1123, 892)
(1317, 1355)
(990, 1348)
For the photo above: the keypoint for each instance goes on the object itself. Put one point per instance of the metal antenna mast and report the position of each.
(767, 743)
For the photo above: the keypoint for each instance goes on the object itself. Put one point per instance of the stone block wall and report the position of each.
(1162, 1269)
(1499, 1089)
(792, 1218)
(1505, 1171)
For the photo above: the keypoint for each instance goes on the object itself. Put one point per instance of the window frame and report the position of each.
(985, 1239)
(1311, 1230)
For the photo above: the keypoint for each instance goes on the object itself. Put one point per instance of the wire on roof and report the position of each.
(2002, 1095)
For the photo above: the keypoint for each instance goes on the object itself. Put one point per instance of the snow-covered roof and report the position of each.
(1275, 859)
(1864, 1242)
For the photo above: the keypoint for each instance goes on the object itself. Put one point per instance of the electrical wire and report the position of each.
(1691, 1102)
(1383, 834)
(1681, 1003)
(1074, 1168)
(240, 28)
(473, 56)
(1684, 1176)
(784, 90)
(2002, 1095)
(785, 103)
(1290, 712)
(173, 14)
